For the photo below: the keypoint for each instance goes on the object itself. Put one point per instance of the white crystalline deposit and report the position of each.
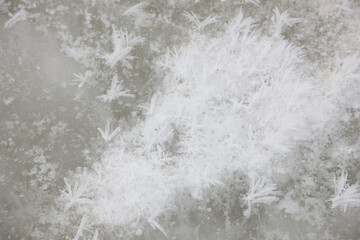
(237, 101)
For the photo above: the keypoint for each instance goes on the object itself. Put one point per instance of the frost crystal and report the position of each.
(81, 228)
(345, 195)
(150, 108)
(123, 43)
(75, 194)
(82, 79)
(260, 192)
(279, 20)
(116, 90)
(105, 134)
(135, 8)
(200, 25)
(19, 16)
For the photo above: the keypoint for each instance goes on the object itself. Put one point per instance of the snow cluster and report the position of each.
(239, 101)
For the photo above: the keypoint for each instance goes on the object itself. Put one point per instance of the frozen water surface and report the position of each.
(159, 119)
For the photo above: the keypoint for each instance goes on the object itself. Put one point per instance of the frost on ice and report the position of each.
(222, 119)
(17, 17)
(123, 44)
